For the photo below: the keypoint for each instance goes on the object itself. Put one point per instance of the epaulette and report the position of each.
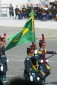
(39, 52)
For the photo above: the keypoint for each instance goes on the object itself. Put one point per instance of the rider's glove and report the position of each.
(36, 51)
(31, 78)
(2, 68)
(41, 61)
(7, 60)
(38, 78)
(46, 60)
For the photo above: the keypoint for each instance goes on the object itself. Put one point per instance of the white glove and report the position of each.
(41, 61)
(46, 60)
(7, 60)
(31, 78)
(2, 68)
(36, 51)
(38, 78)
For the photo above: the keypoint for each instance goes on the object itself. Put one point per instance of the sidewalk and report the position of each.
(11, 26)
(9, 21)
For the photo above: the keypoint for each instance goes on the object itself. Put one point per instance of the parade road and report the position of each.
(17, 55)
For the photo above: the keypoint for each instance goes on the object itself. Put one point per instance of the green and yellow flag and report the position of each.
(25, 36)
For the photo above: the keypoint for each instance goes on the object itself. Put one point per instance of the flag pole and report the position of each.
(33, 31)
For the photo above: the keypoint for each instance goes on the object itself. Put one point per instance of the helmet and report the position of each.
(41, 43)
(33, 46)
(28, 50)
(2, 39)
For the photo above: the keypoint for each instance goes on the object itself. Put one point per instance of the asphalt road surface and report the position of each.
(17, 55)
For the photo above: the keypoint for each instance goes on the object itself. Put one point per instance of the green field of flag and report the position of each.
(25, 36)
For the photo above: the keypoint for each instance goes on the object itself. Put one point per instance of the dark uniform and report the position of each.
(28, 66)
(43, 64)
(3, 61)
(31, 67)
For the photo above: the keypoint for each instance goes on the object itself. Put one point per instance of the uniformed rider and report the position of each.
(3, 60)
(43, 62)
(31, 71)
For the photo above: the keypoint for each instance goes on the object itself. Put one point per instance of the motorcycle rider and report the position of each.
(35, 61)
(43, 62)
(31, 72)
(3, 60)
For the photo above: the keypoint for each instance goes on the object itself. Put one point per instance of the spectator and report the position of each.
(43, 15)
(24, 15)
(55, 3)
(11, 12)
(28, 10)
(20, 14)
(16, 11)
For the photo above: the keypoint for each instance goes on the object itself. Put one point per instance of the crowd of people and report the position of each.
(40, 12)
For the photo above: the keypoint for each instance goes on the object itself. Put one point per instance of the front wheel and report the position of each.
(43, 82)
(26, 76)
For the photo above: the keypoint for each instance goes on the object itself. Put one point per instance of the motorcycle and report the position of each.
(34, 77)
(3, 69)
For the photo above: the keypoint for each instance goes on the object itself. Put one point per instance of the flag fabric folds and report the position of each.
(25, 36)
